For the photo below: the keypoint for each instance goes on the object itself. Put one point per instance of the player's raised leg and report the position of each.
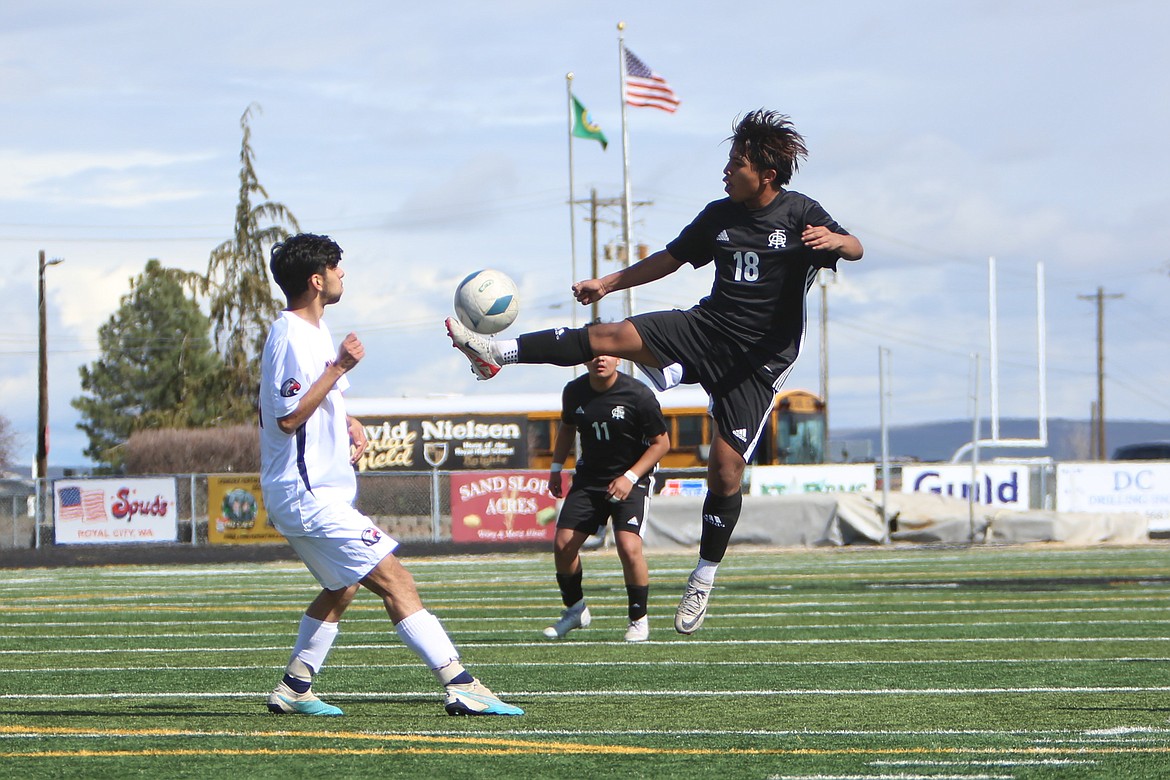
(558, 346)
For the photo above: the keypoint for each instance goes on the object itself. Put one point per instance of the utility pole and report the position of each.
(42, 369)
(824, 278)
(1099, 420)
(595, 206)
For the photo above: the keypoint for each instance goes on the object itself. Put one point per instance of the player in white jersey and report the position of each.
(765, 244)
(309, 486)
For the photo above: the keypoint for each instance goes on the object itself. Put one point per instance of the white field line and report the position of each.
(576, 647)
(351, 620)
(791, 692)
(600, 664)
(32, 635)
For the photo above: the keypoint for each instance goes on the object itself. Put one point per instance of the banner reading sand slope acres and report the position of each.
(502, 506)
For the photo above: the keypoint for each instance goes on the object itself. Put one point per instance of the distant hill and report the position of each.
(937, 442)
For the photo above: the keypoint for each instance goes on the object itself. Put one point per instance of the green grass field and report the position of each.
(844, 663)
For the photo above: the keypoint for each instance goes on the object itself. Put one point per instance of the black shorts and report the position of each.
(742, 382)
(587, 510)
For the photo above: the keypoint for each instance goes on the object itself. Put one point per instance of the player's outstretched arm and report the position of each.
(654, 267)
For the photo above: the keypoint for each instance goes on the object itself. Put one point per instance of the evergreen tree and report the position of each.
(157, 368)
(242, 305)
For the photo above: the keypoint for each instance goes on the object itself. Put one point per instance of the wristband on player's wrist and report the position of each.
(631, 476)
(554, 468)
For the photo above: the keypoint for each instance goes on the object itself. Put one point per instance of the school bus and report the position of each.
(519, 430)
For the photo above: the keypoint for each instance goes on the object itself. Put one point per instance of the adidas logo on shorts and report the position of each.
(740, 433)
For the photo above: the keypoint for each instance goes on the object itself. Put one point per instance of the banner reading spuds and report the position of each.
(502, 506)
(105, 511)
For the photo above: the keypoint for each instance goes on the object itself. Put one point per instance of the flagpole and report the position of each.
(572, 215)
(627, 210)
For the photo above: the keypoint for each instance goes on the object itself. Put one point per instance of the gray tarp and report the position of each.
(837, 519)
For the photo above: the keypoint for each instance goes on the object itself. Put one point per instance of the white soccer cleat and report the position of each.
(285, 701)
(477, 348)
(474, 698)
(639, 630)
(688, 618)
(576, 616)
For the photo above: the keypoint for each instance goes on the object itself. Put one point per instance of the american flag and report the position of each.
(78, 504)
(644, 87)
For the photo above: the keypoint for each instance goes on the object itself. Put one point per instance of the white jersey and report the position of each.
(305, 471)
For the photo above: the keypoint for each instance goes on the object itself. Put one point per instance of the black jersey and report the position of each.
(615, 427)
(762, 269)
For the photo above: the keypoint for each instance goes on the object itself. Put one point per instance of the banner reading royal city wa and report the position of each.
(502, 506)
(236, 514)
(105, 511)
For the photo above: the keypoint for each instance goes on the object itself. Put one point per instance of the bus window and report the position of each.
(540, 436)
(689, 430)
(801, 438)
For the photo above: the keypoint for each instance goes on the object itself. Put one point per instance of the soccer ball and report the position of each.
(487, 301)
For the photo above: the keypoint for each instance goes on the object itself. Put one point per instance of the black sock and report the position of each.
(570, 585)
(720, 514)
(559, 347)
(638, 595)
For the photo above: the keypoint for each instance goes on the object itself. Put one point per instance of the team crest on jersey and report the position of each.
(778, 239)
(618, 413)
(723, 237)
(290, 388)
(371, 536)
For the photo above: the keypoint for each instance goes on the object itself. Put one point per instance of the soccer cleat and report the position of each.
(688, 618)
(474, 698)
(576, 616)
(477, 348)
(639, 630)
(285, 701)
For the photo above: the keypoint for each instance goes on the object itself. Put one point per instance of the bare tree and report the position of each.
(241, 301)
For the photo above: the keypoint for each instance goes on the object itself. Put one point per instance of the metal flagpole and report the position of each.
(572, 215)
(628, 205)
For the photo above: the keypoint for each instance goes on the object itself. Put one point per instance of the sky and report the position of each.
(433, 141)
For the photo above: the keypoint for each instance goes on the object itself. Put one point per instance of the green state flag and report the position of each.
(584, 126)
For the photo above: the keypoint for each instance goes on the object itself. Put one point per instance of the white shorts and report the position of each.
(340, 546)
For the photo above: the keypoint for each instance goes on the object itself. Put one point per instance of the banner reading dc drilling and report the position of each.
(115, 511)
(502, 506)
(236, 511)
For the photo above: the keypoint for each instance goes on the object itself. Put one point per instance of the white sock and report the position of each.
(424, 634)
(505, 351)
(705, 572)
(314, 641)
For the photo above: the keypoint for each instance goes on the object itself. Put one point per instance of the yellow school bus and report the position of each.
(519, 430)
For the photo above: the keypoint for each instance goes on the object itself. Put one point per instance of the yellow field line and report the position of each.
(496, 746)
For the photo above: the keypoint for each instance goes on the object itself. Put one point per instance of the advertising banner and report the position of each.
(235, 509)
(819, 478)
(1120, 486)
(503, 506)
(105, 511)
(448, 442)
(995, 484)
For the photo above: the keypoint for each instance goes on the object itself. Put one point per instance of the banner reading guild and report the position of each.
(105, 511)
(456, 443)
(502, 506)
(236, 514)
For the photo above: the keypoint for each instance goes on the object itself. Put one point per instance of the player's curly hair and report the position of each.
(298, 257)
(768, 140)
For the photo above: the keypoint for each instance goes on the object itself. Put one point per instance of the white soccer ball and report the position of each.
(487, 301)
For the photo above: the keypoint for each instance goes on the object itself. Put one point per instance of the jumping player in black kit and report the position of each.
(767, 245)
(623, 436)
